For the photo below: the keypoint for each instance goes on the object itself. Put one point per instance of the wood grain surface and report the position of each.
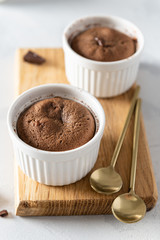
(33, 198)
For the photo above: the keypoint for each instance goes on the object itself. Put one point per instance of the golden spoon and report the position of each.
(107, 180)
(129, 207)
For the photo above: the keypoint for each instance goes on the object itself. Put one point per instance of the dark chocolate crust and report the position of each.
(56, 124)
(103, 44)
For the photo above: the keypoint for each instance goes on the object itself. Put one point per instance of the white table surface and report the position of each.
(40, 24)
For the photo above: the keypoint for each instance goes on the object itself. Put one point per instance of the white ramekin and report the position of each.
(56, 168)
(101, 79)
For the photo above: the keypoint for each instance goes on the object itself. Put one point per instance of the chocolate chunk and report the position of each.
(34, 58)
(99, 41)
(3, 213)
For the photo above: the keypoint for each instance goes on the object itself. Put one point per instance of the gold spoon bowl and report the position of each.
(106, 180)
(129, 208)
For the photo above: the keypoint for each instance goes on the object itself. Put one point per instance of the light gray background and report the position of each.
(40, 24)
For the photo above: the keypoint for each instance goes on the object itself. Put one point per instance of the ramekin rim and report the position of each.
(54, 153)
(65, 41)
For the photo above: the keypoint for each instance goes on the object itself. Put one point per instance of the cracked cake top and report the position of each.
(56, 124)
(103, 44)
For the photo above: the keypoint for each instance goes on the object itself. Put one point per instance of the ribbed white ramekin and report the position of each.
(102, 79)
(56, 168)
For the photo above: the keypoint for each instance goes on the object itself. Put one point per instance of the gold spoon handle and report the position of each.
(135, 145)
(121, 138)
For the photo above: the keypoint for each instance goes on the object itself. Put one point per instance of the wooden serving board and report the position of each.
(33, 198)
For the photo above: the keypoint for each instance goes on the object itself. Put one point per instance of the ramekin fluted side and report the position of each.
(102, 79)
(101, 83)
(56, 173)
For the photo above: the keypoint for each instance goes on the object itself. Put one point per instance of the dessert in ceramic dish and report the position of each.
(103, 44)
(56, 167)
(56, 124)
(98, 77)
